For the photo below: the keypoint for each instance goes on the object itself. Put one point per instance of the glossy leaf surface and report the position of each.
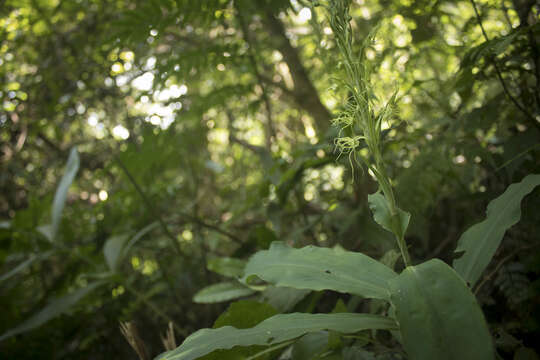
(318, 268)
(241, 314)
(274, 330)
(60, 196)
(113, 250)
(222, 292)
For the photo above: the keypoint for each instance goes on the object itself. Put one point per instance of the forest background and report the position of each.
(149, 148)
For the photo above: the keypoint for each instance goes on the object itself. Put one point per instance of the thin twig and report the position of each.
(517, 156)
(499, 265)
(260, 151)
(150, 207)
(499, 73)
(190, 218)
(143, 298)
(270, 131)
(215, 228)
(505, 13)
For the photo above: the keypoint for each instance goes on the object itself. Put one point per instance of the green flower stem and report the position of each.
(359, 115)
(388, 193)
(403, 249)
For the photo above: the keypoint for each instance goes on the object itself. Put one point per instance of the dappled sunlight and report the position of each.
(279, 174)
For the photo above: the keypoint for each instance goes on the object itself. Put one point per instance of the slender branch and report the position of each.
(499, 265)
(536, 59)
(150, 207)
(270, 130)
(517, 156)
(51, 144)
(505, 13)
(257, 150)
(499, 73)
(278, 85)
(142, 297)
(162, 224)
(253, 148)
(123, 282)
(212, 227)
(305, 93)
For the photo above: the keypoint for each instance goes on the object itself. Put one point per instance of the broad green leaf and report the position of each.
(274, 330)
(396, 223)
(318, 268)
(226, 266)
(481, 241)
(52, 310)
(241, 314)
(25, 264)
(283, 298)
(59, 201)
(113, 250)
(224, 291)
(438, 315)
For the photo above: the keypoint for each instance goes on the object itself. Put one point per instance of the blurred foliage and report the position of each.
(203, 132)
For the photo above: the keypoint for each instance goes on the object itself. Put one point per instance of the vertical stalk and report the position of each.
(359, 114)
(388, 193)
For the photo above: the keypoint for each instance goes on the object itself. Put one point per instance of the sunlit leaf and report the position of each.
(224, 291)
(438, 315)
(481, 241)
(113, 249)
(241, 314)
(60, 196)
(318, 268)
(274, 330)
(138, 236)
(117, 247)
